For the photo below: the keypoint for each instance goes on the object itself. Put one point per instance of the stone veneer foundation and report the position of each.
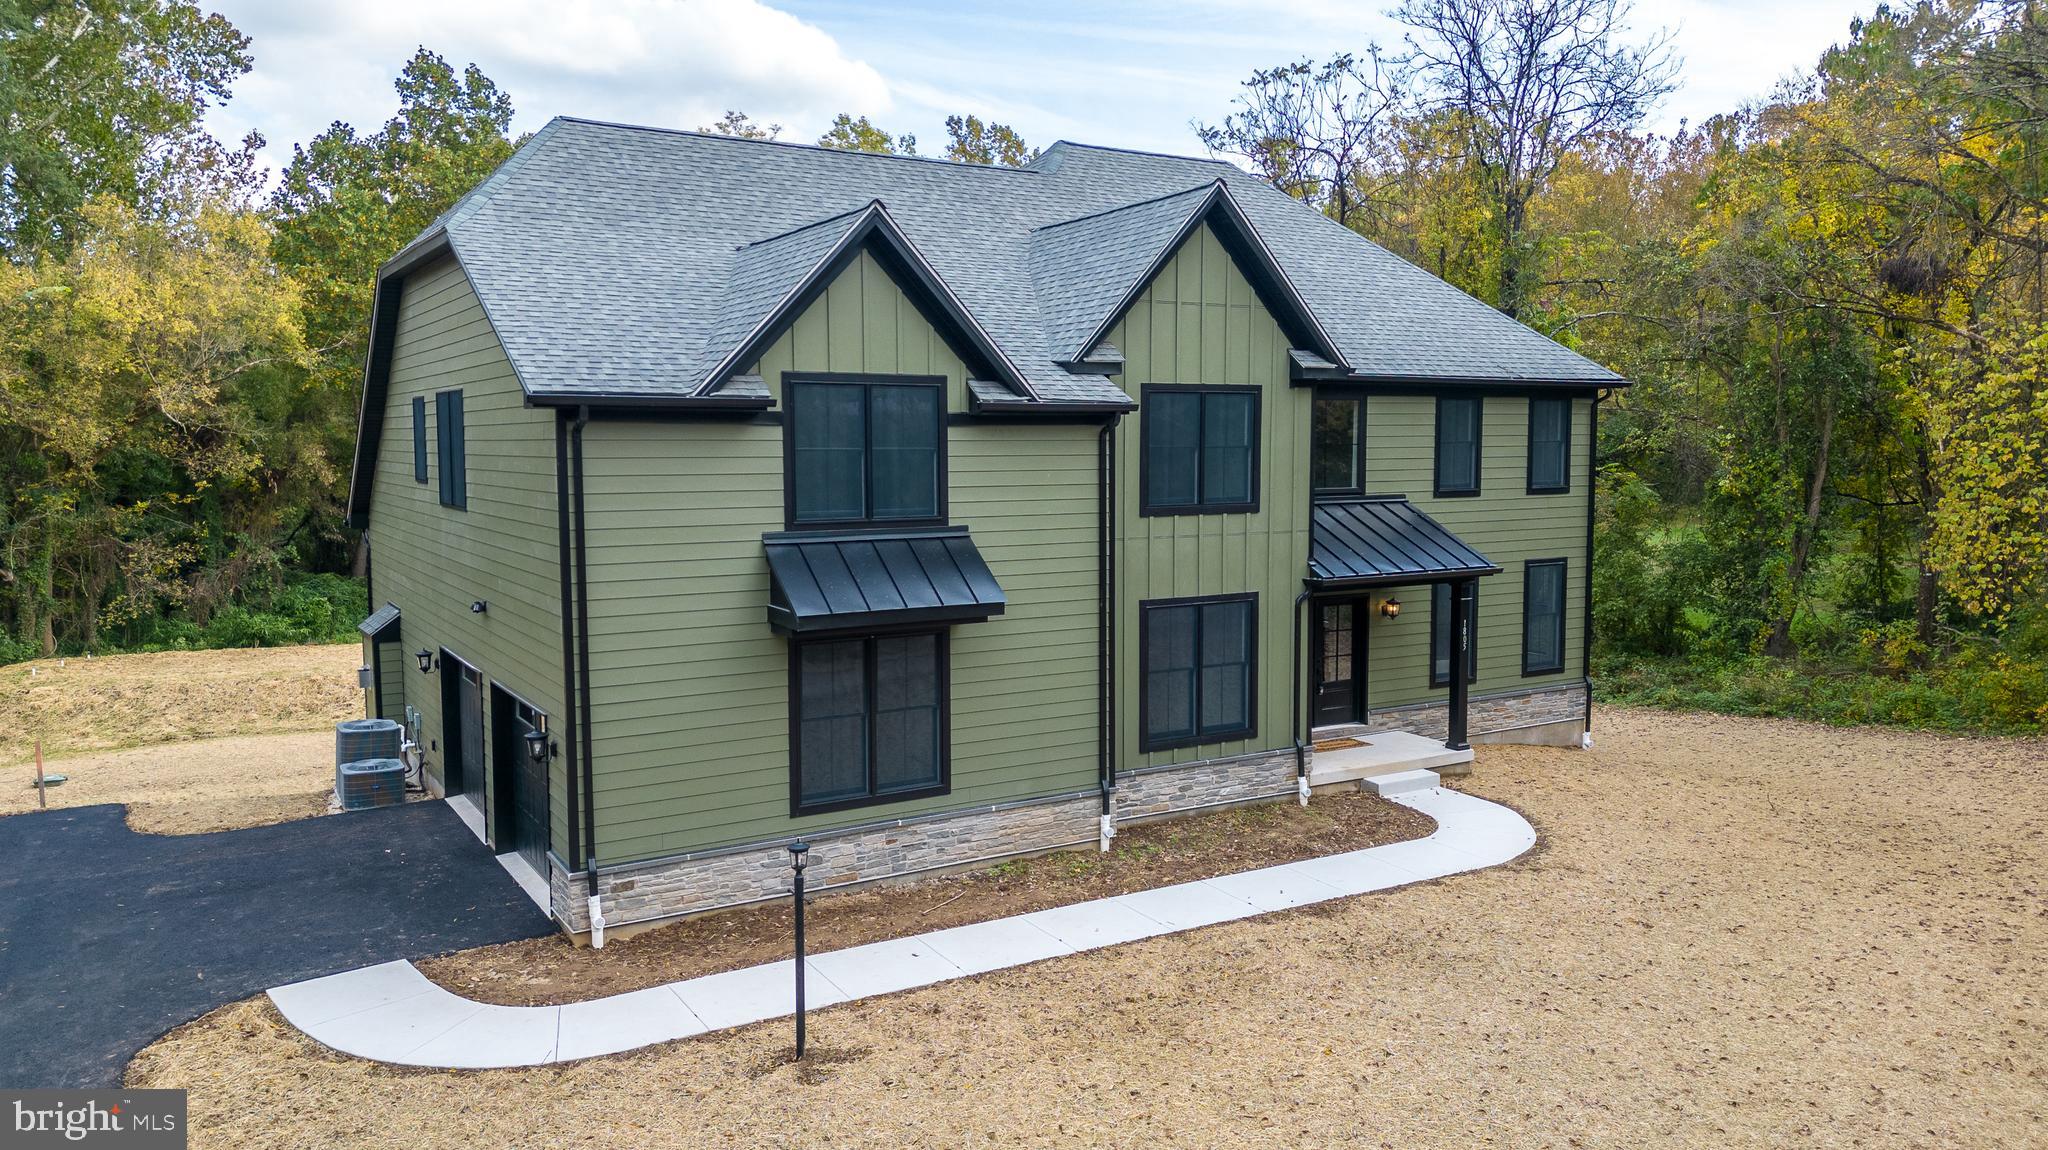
(641, 892)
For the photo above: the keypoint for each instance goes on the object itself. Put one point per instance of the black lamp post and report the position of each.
(799, 856)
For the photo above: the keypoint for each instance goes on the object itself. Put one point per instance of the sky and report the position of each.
(1127, 74)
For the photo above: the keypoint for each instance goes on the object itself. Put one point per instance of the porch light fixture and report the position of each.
(537, 744)
(1391, 608)
(426, 659)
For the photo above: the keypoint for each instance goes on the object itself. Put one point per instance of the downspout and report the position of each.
(583, 678)
(1586, 624)
(575, 725)
(1105, 578)
(1295, 706)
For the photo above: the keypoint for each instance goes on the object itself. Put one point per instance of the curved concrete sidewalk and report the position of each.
(391, 1013)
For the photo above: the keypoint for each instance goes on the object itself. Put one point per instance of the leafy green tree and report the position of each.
(101, 98)
(850, 135)
(970, 141)
(742, 126)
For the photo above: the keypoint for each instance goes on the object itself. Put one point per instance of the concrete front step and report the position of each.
(1383, 753)
(1401, 783)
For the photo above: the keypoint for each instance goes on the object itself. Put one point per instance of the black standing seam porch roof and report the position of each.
(1385, 540)
(839, 581)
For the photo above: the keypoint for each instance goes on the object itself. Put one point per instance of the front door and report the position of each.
(1340, 663)
(522, 782)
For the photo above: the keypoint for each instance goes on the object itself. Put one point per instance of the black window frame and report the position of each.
(1563, 608)
(451, 449)
(1471, 636)
(1146, 508)
(1436, 469)
(943, 642)
(1357, 400)
(1250, 730)
(1536, 488)
(419, 439)
(790, 381)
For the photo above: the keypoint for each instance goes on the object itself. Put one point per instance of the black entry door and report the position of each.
(522, 779)
(1340, 664)
(462, 704)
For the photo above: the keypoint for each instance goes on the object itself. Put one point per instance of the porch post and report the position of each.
(1461, 661)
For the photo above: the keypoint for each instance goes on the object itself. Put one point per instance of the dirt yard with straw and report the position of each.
(1735, 933)
(192, 741)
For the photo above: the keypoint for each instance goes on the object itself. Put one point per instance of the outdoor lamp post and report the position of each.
(799, 856)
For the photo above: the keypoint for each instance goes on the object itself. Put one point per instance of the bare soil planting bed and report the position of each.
(193, 741)
(545, 971)
(1737, 933)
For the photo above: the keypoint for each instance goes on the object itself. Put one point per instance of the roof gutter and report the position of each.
(705, 403)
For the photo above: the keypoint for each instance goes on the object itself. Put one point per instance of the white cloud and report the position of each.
(673, 63)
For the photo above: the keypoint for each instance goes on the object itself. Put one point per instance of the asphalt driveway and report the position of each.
(109, 938)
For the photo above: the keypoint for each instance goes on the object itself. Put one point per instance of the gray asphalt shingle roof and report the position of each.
(627, 262)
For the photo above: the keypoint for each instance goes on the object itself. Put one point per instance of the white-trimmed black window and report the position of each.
(1457, 444)
(419, 439)
(448, 442)
(1199, 667)
(868, 720)
(1440, 633)
(866, 450)
(1200, 449)
(1543, 616)
(1550, 446)
(1336, 444)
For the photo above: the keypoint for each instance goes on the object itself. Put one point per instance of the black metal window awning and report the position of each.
(382, 624)
(1385, 541)
(847, 581)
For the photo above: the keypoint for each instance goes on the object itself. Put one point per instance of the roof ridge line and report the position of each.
(802, 228)
(1141, 152)
(938, 161)
(1127, 207)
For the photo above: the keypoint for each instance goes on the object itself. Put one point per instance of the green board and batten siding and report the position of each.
(691, 687)
(1199, 321)
(1506, 523)
(434, 561)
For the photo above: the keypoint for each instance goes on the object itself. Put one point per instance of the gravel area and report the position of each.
(1736, 933)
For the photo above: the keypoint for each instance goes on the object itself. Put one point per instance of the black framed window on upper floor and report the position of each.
(419, 439)
(1337, 445)
(1199, 450)
(450, 449)
(1550, 446)
(1458, 419)
(1199, 666)
(1440, 633)
(1543, 616)
(865, 450)
(868, 720)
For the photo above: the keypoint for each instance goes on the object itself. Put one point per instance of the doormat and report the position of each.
(1339, 744)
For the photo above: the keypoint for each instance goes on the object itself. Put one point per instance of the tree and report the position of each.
(741, 126)
(139, 379)
(1316, 132)
(1528, 82)
(101, 98)
(850, 135)
(972, 142)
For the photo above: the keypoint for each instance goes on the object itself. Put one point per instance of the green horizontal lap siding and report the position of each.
(1200, 322)
(691, 686)
(434, 561)
(1506, 524)
(388, 665)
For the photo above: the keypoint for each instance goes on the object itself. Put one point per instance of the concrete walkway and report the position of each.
(392, 1013)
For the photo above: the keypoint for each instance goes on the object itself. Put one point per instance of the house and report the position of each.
(725, 492)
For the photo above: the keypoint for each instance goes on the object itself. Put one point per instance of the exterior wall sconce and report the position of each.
(479, 607)
(537, 744)
(1391, 608)
(426, 659)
